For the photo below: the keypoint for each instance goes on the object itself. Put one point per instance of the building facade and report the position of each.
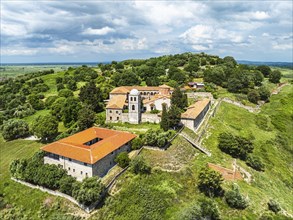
(195, 113)
(88, 153)
(128, 103)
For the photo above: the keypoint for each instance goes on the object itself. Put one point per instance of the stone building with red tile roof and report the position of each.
(124, 107)
(195, 113)
(88, 153)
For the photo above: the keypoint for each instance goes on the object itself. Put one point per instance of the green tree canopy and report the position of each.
(209, 182)
(13, 129)
(91, 95)
(86, 118)
(275, 76)
(45, 127)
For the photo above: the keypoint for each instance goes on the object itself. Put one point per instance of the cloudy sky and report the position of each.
(96, 31)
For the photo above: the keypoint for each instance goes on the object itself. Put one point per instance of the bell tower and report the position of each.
(134, 107)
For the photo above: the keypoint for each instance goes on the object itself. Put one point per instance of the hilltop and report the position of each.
(170, 191)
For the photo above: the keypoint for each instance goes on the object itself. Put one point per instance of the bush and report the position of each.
(89, 191)
(236, 146)
(253, 96)
(156, 138)
(136, 143)
(202, 209)
(234, 199)
(139, 166)
(66, 184)
(13, 129)
(209, 182)
(255, 163)
(65, 93)
(274, 206)
(275, 76)
(122, 159)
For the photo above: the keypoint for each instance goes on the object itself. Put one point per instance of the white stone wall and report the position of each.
(113, 115)
(189, 123)
(101, 167)
(152, 118)
(134, 109)
(158, 104)
(74, 168)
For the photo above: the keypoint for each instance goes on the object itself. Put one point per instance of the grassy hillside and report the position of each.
(162, 194)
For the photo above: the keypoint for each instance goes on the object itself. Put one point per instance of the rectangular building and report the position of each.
(88, 153)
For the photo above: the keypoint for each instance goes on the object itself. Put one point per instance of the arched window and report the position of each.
(131, 99)
(134, 99)
(133, 107)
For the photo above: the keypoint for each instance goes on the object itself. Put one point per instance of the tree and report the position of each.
(136, 143)
(139, 166)
(57, 106)
(255, 163)
(174, 114)
(71, 84)
(253, 96)
(230, 61)
(70, 111)
(176, 75)
(13, 129)
(91, 96)
(258, 78)
(179, 99)
(236, 146)
(45, 127)
(164, 124)
(86, 118)
(265, 70)
(89, 191)
(50, 100)
(215, 75)
(209, 182)
(274, 206)
(60, 86)
(275, 76)
(234, 198)
(122, 159)
(264, 93)
(35, 102)
(65, 93)
(66, 184)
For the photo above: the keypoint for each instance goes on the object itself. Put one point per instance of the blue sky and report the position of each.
(97, 31)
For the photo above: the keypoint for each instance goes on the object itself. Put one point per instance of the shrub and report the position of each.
(137, 143)
(234, 199)
(253, 96)
(209, 182)
(122, 159)
(13, 129)
(50, 100)
(275, 76)
(255, 163)
(66, 184)
(139, 166)
(89, 191)
(65, 93)
(236, 146)
(202, 209)
(155, 111)
(274, 206)
(156, 138)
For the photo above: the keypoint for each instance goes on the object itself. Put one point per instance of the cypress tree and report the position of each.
(164, 120)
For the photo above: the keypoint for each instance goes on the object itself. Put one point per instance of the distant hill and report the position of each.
(257, 63)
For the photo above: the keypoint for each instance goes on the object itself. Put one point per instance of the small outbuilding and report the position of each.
(195, 113)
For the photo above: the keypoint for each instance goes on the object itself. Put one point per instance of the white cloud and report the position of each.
(13, 30)
(102, 31)
(198, 47)
(288, 46)
(260, 15)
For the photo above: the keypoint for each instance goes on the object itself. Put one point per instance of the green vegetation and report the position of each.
(122, 159)
(234, 198)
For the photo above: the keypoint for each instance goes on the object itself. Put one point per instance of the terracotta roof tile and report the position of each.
(127, 89)
(155, 97)
(195, 109)
(117, 102)
(74, 146)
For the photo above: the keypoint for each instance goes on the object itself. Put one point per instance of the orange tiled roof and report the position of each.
(74, 146)
(117, 102)
(195, 109)
(155, 97)
(127, 89)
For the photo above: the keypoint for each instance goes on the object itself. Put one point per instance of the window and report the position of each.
(117, 118)
(86, 174)
(85, 164)
(111, 118)
(133, 107)
(134, 98)
(81, 172)
(54, 156)
(110, 111)
(73, 170)
(70, 159)
(68, 168)
(116, 112)
(131, 99)
(62, 157)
